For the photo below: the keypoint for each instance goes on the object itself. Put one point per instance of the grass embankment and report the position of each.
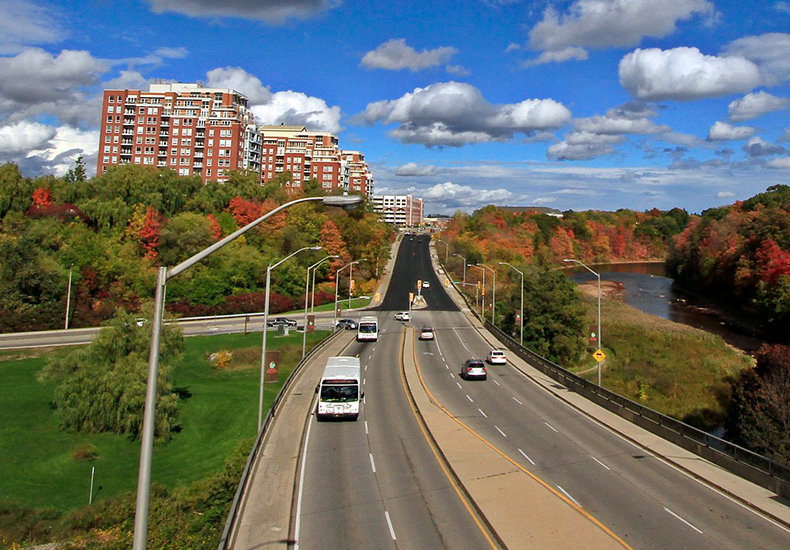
(218, 408)
(672, 368)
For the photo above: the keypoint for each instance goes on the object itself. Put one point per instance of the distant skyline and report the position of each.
(582, 104)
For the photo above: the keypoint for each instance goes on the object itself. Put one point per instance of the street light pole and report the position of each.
(337, 283)
(483, 308)
(306, 296)
(446, 250)
(312, 293)
(522, 298)
(464, 259)
(600, 340)
(266, 326)
(147, 436)
(493, 293)
(68, 298)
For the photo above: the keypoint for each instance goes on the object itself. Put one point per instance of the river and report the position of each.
(647, 288)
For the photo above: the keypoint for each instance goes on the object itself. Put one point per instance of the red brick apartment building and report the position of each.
(210, 131)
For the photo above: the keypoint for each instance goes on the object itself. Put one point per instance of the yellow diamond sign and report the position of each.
(599, 355)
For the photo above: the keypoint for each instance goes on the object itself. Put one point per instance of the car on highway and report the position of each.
(280, 321)
(473, 368)
(348, 324)
(426, 284)
(403, 316)
(426, 333)
(496, 357)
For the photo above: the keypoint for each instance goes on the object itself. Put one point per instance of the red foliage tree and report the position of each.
(772, 261)
(215, 228)
(149, 234)
(244, 211)
(42, 197)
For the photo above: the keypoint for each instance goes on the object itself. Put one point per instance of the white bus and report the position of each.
(340, 392)
(368, 329)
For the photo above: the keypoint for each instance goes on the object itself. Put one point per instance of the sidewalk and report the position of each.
(747, 493)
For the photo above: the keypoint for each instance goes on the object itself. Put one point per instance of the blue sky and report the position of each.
(580, 104)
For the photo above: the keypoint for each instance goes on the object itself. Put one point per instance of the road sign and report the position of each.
(378, 297)
(447, 282)
(599, 355)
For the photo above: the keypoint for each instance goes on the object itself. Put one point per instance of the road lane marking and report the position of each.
(567, 494)
(459, 385)
(460, 340)
(432, 445)
(372, 463)
(517, 401)
(500, 431)
(497, 383)
(481, 412)
(501, 453)
(366, 428)
(550, 426)
(599, 462)
(389, 524)
(469, 398)
(670, 512)
(366, 368)
(525, 456)
(451, 374)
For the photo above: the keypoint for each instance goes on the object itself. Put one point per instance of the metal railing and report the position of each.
(245, 475)
(754, 467)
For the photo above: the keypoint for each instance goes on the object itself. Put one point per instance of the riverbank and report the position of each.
(673, 368)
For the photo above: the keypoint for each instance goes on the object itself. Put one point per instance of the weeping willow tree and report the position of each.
(101, 388)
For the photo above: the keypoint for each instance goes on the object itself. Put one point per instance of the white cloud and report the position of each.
(457, 70)
(240, 80)
(36, 82)
(611, 23)
(756, 105)
(614, 125)
(132, 80)
(758, 147)
(725, 195)
(23, 136)
(721, 131)
(23, 23)
(584, 146)
(298, 109)
(395, 55)
(415, 170)
(558, 56)
(457, 196)
(782, 7)
(269, 11)
(771, 52)
(685, 74)
(783, 162)
(454, 114)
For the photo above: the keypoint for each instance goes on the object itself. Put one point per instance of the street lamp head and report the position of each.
(316, 248)
(346, 202)
(567, 260)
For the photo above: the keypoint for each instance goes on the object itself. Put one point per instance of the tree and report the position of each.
(758, 416)
(183, 236)
(102, 387)
(76, 174)
(149, 234)
(15, 191)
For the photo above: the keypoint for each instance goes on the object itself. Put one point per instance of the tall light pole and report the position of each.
(600, 343)
(522, 297)
(446, 250)
(68, 298)
(307, 295)
(337, 281)
(266, 326)
(464, 259)
(493, 293)
(483, 308)
(163, 274)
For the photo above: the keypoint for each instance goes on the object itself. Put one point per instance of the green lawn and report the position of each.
(217, 410)
(343, 304)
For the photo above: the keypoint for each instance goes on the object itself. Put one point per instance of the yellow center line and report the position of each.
(432, 446)
(568, 501)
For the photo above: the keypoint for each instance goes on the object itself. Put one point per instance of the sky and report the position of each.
(573, 105)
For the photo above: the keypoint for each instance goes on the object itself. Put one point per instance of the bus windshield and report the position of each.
(367, 328)
(339, 393)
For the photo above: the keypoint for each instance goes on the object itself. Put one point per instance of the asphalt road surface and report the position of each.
(375, 483)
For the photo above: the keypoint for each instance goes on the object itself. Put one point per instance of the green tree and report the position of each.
(183, 236)
(16, 192)
(101, 388)
(76, 174)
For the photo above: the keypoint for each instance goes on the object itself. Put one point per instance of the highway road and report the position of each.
(376, 483)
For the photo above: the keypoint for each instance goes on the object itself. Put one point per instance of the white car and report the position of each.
(426, 284)
(496, 357)
(403, 316)
(426, 333)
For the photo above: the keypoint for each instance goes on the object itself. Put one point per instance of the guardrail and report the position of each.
(234, 509)
(758, 469)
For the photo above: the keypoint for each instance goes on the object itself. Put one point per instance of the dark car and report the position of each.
(348, 324)
(281, 321)
(473, 368)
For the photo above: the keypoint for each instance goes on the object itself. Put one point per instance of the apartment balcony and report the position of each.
(198, 153)
(197, 165)
(128, 121)
(127, 133)
(161, 164)
(161, 143)
(199, 143)
(126, 142)
(200, 134)
(164, 134)
(126, 152)
(162, 153)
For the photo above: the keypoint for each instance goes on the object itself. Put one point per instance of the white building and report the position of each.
(399, 210)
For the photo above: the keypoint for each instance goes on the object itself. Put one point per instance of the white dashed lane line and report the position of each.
(567, 494)
(372, 463)
(550, 426)
(500, 431)
(389, 523)
(670, 512)
(481, 412)
(527, 457)
(517, 401)
(469, 398)
(599, 462)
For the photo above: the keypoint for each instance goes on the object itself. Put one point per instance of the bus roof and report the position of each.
(341, 368)
(342, 361)
(368, 318)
